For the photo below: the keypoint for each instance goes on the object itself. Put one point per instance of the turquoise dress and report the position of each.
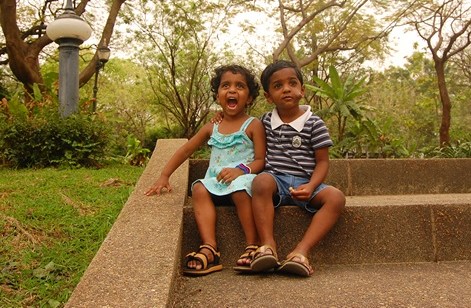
(227, 151)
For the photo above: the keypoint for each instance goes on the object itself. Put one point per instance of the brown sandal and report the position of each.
(300, 267)
(264, 259)
(248, 254)
(207, 267)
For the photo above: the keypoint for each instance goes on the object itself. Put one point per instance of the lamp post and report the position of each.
(103, 53)
(68, 31)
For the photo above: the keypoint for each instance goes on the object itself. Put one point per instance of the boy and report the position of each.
(297, 163)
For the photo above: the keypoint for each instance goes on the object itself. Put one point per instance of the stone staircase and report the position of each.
(397, 211)
(403, 241)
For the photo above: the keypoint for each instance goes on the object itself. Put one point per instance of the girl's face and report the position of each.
(285, 90)
(233, 93)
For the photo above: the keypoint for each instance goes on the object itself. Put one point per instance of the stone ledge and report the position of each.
(138, 261)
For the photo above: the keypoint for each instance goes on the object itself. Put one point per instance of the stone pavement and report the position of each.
(426, 285)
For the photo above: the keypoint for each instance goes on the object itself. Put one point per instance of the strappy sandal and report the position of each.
(207, 267)
(264, 259)
(292, 266)
(248, 254)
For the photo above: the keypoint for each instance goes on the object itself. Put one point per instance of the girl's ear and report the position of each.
(249, 101)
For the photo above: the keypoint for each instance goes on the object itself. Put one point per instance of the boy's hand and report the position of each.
(217, 118)
(227, 175)
(302, 192)
(156, 189)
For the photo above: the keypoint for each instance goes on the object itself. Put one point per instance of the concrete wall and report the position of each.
(361, 177)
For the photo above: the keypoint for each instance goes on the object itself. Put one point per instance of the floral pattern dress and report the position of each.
(228, 151)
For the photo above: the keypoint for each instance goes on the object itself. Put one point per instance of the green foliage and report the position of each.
(74, 141)
(459, 150)
(136, 154)
(342, 99)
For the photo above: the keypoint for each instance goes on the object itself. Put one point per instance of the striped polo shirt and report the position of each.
(291, 146)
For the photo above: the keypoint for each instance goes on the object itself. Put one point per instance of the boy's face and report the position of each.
(233, 93)
(285, 89)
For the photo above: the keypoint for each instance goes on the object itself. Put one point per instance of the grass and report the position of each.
(52, 223)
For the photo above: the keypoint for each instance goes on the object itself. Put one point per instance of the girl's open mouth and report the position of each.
(231, 103)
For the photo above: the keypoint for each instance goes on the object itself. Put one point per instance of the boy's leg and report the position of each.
(205, 216)
(263, 188)
(330, 202)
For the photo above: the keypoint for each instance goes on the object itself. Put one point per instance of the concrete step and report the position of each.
(373, 229)
(439, 285)
(139, 262)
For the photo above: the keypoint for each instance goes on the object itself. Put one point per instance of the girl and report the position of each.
(237, 155)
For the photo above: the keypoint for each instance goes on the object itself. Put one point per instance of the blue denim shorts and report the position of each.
(283, 197)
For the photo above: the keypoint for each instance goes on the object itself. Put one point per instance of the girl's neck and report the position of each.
(232, 123)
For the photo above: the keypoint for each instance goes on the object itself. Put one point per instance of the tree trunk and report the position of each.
(23, 51)
(446, 104)
(23, 58)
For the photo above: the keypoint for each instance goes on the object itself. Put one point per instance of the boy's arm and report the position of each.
(260, 146)
(178, 158)
(304, 192)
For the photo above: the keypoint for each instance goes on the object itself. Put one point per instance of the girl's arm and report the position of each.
(178, 158)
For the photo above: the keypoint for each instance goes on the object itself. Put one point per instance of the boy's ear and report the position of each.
(268, 97)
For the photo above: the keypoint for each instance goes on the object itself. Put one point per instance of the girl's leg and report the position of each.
(243, 204)
(263, 188)
(205, 216)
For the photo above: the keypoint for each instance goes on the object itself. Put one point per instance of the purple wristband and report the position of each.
(244, 168)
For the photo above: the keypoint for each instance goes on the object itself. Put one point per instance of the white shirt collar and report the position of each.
(297, 124)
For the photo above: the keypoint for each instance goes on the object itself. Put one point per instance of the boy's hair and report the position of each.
(252, 83)
(275, 67)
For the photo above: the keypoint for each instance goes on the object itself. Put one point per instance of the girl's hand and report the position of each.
(227, 175)
(302, 192)
(217, 118)
(156, 189)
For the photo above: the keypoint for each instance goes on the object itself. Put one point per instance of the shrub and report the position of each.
(74, 141)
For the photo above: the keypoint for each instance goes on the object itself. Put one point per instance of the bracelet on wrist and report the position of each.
(246, 169)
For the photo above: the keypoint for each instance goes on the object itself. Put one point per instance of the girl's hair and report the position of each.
(275, 67)
(254, 86)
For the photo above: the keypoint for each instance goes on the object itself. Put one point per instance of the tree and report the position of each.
(25, 39)
(312, 28)
(445, 26)
(179, 54)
